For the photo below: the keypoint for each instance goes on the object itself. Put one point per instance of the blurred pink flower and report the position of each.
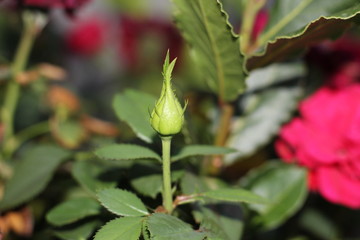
(261, 21)
(325, 139)
(69, 5)
(87, 36)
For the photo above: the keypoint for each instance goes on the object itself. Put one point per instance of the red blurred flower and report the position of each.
(326, 140)
(339, 60)
(133, 31)
(87, 36)
(69, 5)
(261, 20)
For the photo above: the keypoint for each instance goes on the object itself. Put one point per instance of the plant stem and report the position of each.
(166, 161)
(252, 7)
(13, 88)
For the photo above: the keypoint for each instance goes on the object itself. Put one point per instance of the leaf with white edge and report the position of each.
(122, 202)
(132, 107)
(167, 227)
(73, 210)
(295, 25)
(215, 48)
(201, 150)
(234, 195)
(81, 232)
(285, 187)
(265, 110)
(126, 152)
(32, 174)
(127, 228)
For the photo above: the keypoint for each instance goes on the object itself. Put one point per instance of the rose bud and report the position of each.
(167, 117)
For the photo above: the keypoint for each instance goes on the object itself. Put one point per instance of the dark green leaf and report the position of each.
(122, 202)
(32, 174)
(126, 152)
(197, 150)
(308, 22)
(234, 195)
(167, 227)
(226, 218)
(133, 108)
(127, 228)
(73, 210)
(215, 49)
(93, 175)
(284, 186)
(266, 109)
(81, 232)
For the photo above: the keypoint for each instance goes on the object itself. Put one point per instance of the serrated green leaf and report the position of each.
(167, 227)
(266, 108)
(132, 107)
(215, 49)
(73, 210)
(122, 202)
(126, 152)
(32, 174)
(307, 22)
(198, 150)
(93, 176)
(285, 187)
(234, 195)
(127, 228)
(81, 232)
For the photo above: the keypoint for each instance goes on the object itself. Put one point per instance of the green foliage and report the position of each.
(234, 195)
(198, 150)
(73, 210)
(285, 187)
(79, 232)
(268, 103)
(128, 228)
(94, 175)
(215, 49)
(32, 174)
(167, 227)
(133, 107)
(122, 202)
(294, 25)
(126, 152)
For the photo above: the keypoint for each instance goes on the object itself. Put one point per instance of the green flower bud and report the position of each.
(167, 117)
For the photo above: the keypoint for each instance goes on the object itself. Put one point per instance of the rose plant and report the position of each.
(195, 163)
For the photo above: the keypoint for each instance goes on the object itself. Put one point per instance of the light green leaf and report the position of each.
(82, 232)
(234, 195)
(126, 152)
(32, 174)
(265, 108)
(284, 186)
(73, 210)
(94, 175)
(133, 107)
(294, 25)
(122, 202)
(215, 49)
(167, 227)
(69, 133)
(127, 228)
(198, 150)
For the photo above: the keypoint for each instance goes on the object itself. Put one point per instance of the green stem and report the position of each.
(283, 22)
(13, 88)
(25, 135)
(252, 7)
(166, 161)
